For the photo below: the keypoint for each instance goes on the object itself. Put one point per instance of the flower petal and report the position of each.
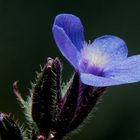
(127, 70)
(66, 46)
(98, 81)
(73, 28)
(111, 47)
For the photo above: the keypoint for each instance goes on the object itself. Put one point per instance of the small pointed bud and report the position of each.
(9, 130)
(45, 96)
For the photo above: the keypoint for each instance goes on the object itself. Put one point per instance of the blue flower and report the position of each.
(101, 63)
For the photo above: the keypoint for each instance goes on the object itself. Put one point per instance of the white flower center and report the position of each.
(92, 59)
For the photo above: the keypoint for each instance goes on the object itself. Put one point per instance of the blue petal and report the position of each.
(72, 27)
(98, 81)
(112, 47)
(127, 70)
(66, 46)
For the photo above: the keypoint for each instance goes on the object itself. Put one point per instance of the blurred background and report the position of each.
(26, 40)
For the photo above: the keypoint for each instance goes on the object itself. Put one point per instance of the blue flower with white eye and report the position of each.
(102, 63)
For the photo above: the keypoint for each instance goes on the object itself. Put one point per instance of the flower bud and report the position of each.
(46, 93)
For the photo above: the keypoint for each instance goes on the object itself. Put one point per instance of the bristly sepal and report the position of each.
(46, 93)
(18, 94)
(57, 68)
(69, 107)
(88, 98)
(29, 125)
(79, 101)
(9, 129)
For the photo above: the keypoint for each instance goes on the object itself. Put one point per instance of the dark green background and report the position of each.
(26, 40)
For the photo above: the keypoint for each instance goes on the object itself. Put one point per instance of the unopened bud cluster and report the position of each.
(53, 109)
